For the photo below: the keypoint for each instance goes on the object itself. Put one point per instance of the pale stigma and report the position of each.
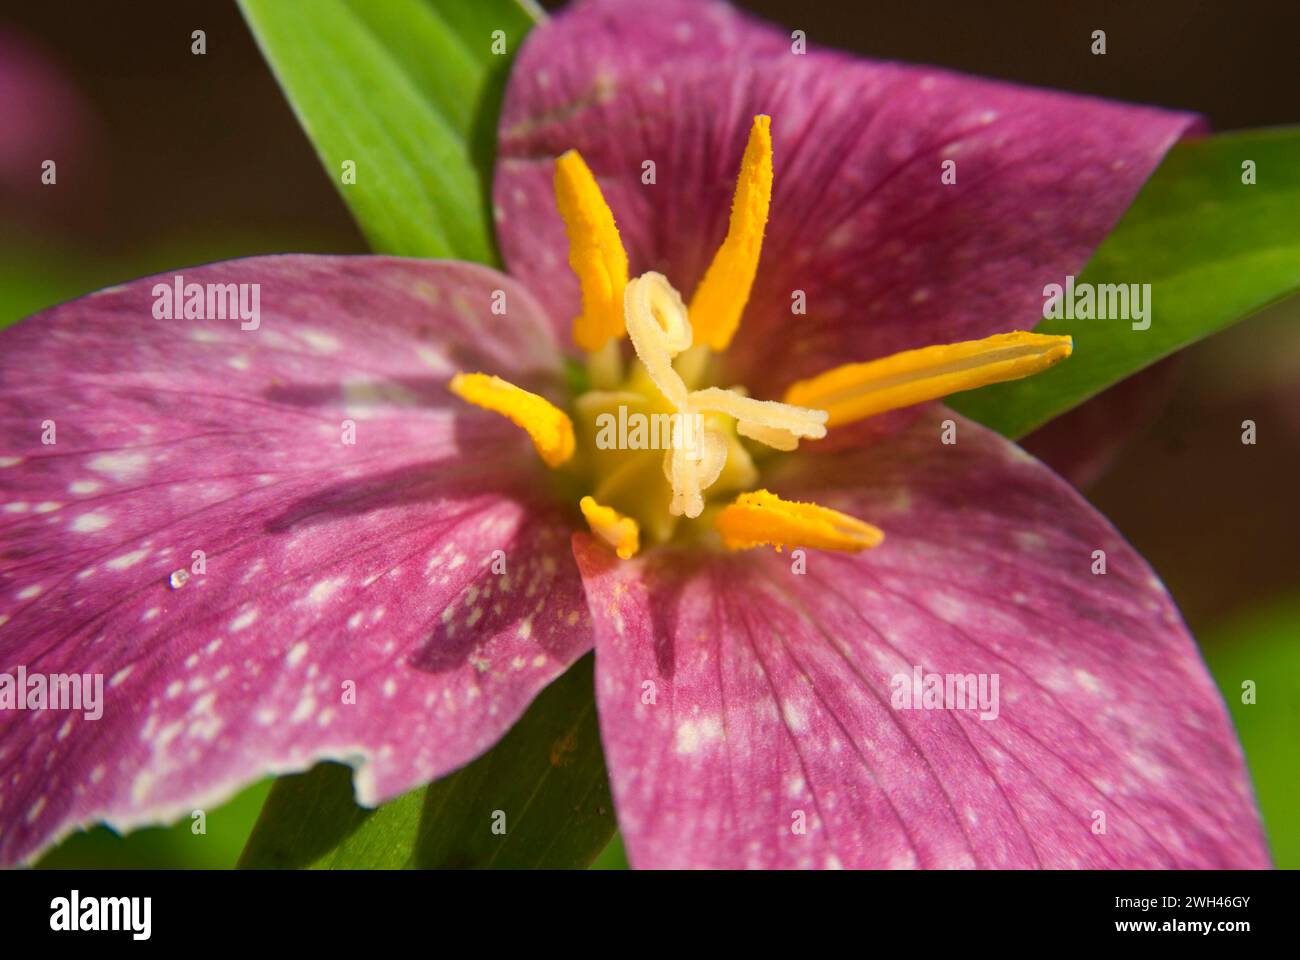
(657, 323)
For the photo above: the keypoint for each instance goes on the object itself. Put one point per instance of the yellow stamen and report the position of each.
(548, 425)
(721, 296)
(763, 518)
(596, 252)
(858, 390)
(621, 533)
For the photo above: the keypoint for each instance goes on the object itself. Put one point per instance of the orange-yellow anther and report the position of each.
(858, 390)
(761, 517)
(620, 533)
(549, 426)
(722, 294)
(596, 252)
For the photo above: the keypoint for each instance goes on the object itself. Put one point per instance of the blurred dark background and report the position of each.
(194, 158)
(208, 143)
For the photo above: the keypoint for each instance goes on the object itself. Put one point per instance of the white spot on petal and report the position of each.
(119, 466)
(322, 591)
(243, 620)
(127, 560)
(90, 523)
(320, 342)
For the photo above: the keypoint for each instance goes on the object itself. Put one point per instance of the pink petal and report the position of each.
(773, 691)
(888, 257)
(326, 563)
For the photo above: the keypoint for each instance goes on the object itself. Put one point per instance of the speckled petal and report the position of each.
(888, 257)
(351, 602)
(752, 715)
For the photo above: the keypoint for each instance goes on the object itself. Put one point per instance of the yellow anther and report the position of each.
(596, 252)
(621, 533)
(548, 425)
(721, 296)
(763, 518)
(858, 390)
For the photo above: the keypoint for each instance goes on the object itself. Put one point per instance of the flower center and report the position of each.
(649, 444)
(654, 428)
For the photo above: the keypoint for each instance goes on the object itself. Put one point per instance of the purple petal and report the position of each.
(889, 258)
(774, 691)
(328, 566)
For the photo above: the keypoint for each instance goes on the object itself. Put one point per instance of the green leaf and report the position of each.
(547, 776)
(174, 847)
(1214, 250)
(613, 857)
(1260, 648)
(37, 274)
(408, 90)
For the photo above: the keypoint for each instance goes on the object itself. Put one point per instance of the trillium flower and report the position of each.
(325, 534)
